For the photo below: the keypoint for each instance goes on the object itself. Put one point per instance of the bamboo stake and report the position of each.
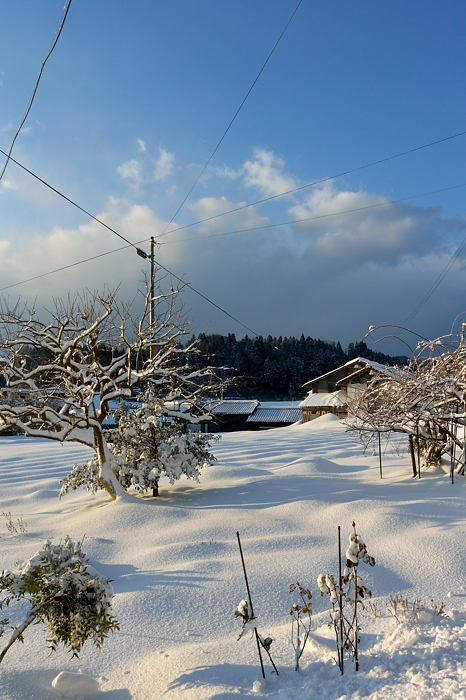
(411, 452)
(250, 604)
(418, 451)
(355, 629)
(380, 456)
(454, 433)
(463, 469)
(340, 649)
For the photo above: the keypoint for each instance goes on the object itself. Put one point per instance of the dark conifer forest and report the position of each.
(276, 368)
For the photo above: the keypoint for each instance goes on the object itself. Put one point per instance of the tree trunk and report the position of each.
(107, 477)
(411, 452)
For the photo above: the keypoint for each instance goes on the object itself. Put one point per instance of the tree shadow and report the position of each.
(36, 684)
(228, 680)
(126, 578)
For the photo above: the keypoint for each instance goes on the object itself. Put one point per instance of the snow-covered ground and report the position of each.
(177, 574)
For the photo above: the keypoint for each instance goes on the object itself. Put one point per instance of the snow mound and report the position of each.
(75, 685)
(329, 420)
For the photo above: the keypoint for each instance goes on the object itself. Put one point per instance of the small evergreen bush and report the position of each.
(63, 592)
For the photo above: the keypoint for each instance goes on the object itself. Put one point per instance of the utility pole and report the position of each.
(152, 290)
(155, 489)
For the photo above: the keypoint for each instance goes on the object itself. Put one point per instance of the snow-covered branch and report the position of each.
(61, 373)
(425, 399)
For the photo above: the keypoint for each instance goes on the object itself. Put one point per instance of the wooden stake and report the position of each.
(411, 452)
(340, 646)
(418, 451)
(250, 604)
(380, 456)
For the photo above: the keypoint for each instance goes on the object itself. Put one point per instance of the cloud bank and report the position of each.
(348, 260)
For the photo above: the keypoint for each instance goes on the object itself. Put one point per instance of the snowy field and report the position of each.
(177, 574)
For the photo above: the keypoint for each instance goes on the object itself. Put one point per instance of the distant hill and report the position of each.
(276, 368)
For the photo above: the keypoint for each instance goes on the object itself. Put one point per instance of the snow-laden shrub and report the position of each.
(301, 614)
(63, 592)
(62, 374)
(82, 475)
(243, 611)
(146, 445)
(346, 595)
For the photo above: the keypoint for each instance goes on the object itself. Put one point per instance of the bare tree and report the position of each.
(426, 399)
(62, 373)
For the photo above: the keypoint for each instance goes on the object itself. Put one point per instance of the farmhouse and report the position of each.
(330, 392)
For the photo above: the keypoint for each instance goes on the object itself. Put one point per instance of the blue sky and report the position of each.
(135, 98)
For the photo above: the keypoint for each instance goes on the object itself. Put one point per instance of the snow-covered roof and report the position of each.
(275, 415)
(232, 407)
(336, 398)
(386, 370)
(358, 362)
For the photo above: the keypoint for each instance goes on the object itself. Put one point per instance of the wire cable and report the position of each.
(144, 255)
(318, 182)
(437, 282)
(313, 218)
(65, 267)
(347, 211)
(54, 43)
(247, 230)
(157, 263)
(431, 290)
(244, 206)
(99, 221)
(234, 117)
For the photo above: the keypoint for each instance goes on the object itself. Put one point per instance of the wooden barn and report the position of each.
(330, 392)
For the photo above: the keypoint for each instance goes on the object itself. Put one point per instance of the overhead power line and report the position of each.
(244, 206)
(54, 43)
(78, 206)
(229, 233)
(144, 255)
(186, 284)
(314, 218)
(234, 116)
(162, 267)
(65, 267)
(318, 182)
(438, 281)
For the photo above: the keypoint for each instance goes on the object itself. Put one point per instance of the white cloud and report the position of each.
(265, 173)
(164, 165)
(229, 173)
(141, 146)
(211, 207)
(132, 171)
(7, 184)
(61, 247)
(329, 277)
(351, 228)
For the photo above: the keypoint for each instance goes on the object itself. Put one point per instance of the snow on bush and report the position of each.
(146, 445)
(426, 400)
(64, 592)
(63, 374)
(345, 595)
(301, 614)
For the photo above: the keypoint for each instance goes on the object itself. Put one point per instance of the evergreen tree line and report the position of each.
(276, 368)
